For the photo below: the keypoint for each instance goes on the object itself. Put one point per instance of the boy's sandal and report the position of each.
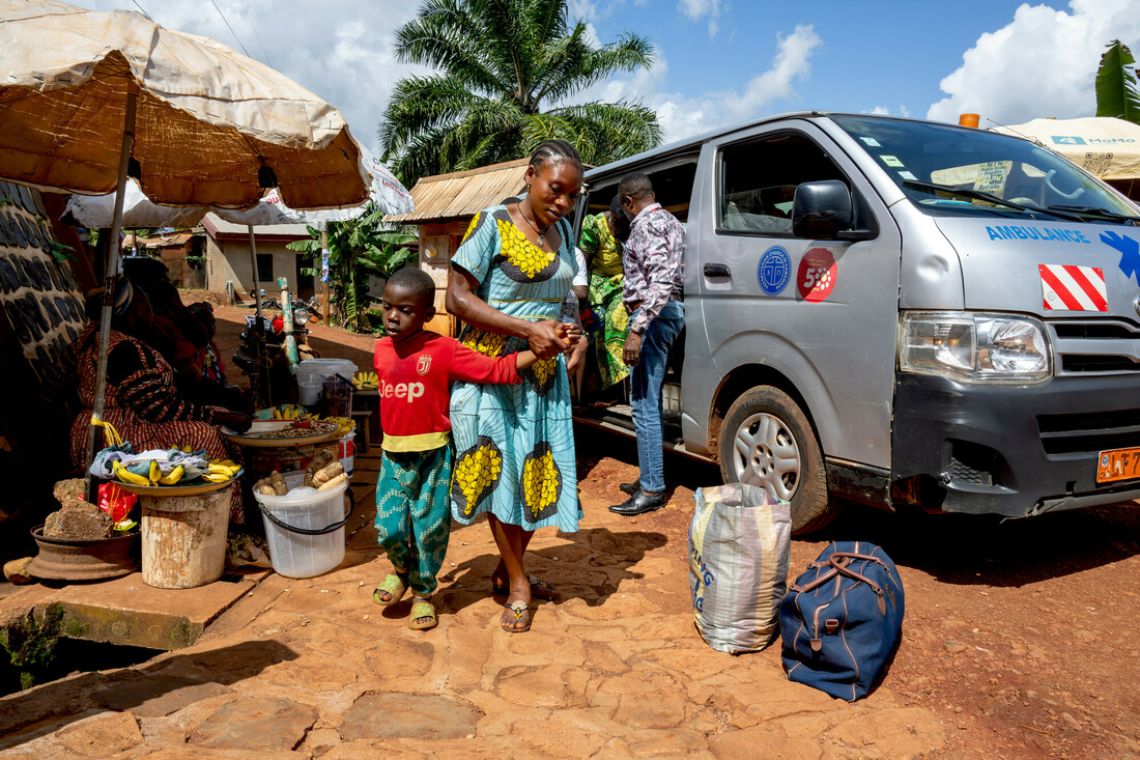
(539, 589)
(423, 615)
(516, 617)
(394, 586)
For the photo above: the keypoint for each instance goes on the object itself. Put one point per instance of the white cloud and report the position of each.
(884, 111)
(681, 116)
(1043, 63)
(340, 49)
(698, 9)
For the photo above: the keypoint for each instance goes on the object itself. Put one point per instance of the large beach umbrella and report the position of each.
(87, 98)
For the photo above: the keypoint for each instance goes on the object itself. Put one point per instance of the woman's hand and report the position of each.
(577, 354)
(545, 338)
(235, 421)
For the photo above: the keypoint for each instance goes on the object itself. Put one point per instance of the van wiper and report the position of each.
(978, 195)
(1091, 212)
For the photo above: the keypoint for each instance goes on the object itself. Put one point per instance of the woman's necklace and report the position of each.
(540, 234)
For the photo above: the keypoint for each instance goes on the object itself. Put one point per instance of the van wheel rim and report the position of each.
(765, 454)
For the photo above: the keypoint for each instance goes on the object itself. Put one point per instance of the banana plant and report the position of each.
(357, 249)
(1116, 87)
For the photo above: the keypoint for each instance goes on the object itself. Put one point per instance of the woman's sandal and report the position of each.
(394, 586)
(423, 615)
(539, 589)
(516, 613)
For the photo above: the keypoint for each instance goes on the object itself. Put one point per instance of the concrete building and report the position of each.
(228, 259)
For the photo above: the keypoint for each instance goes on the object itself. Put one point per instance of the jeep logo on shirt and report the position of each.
(409, 391)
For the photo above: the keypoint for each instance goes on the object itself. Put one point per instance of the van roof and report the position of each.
(691, 144)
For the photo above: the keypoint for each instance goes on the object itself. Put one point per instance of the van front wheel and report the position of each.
(766, 441)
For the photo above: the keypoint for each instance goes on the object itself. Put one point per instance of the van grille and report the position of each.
(1088, 432)
(1102, 347)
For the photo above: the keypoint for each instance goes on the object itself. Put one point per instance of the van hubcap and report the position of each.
(766, 455)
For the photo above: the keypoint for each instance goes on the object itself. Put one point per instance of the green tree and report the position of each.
(358, 249)
(1116, 90)
(500, 62)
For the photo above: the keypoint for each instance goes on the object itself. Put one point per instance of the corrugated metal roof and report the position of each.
(458, 195)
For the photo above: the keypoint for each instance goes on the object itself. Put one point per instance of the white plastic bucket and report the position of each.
(309, 389)
(346, 450)
(305, 531)
(312, 373)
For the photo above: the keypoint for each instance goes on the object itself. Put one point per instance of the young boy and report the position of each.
(415, 369)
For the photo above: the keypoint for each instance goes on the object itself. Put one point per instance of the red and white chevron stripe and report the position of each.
(1072, 288)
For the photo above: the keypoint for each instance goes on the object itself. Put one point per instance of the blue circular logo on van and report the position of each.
(774, 271)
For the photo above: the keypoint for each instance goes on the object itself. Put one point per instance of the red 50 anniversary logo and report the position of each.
(816, 276)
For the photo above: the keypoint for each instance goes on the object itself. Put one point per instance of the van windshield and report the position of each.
(947, 169)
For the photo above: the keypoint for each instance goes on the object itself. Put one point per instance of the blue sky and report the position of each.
(725, 61)
(888, 54)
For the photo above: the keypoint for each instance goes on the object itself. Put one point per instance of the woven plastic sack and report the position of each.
(739, 540)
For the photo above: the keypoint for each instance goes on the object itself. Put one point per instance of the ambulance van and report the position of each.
(899, 313)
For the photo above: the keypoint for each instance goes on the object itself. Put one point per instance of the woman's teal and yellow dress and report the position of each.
(514, 444)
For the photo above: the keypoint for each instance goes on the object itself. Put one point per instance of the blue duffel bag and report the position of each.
(842, 620)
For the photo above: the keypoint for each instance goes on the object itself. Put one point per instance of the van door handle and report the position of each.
(717, 270)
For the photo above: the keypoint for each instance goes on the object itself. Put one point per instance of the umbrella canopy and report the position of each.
(138, 211)
(208, 119)
(1103, 146)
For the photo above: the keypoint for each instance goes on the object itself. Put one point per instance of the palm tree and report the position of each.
(500, 62)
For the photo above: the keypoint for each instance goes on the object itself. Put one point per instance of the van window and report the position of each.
(758, 181)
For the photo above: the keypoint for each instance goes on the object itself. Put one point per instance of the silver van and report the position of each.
(899, 312)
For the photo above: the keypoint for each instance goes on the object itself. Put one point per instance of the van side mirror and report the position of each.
(821, 209)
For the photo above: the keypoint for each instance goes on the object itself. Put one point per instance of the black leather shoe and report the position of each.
(630, 488)
(640, 503)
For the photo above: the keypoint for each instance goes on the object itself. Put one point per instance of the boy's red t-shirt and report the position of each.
(414, 386)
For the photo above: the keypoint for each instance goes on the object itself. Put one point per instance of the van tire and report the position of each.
(764, 416)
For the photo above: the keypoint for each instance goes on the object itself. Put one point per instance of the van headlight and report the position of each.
(974, 347)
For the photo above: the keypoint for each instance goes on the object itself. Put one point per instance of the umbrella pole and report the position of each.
(260, 395)
(110, 282)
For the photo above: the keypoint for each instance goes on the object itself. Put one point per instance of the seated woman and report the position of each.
(207, 383)
(142, 401)
(600, 242)
(177, 334)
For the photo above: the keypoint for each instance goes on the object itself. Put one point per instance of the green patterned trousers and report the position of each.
(413, 513)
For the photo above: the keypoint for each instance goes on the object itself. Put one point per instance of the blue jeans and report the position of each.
(645, 395)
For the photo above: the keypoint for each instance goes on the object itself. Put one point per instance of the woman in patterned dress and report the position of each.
(142, 401)
(514, 444)
(600, 242)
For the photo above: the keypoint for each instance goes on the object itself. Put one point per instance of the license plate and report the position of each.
(1118, 464)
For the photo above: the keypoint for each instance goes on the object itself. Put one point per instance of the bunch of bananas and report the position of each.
(221, 470)
(288, 412)
(155, 472)
(345, 425)
(365, 381)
